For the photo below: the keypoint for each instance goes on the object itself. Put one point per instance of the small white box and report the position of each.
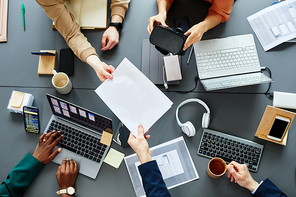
(27, 101)
(284, 100)
(172, 68)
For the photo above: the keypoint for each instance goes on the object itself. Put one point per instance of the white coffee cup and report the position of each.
(61, 82)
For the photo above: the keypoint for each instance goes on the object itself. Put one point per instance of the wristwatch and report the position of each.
(118, 26)
(69, 190)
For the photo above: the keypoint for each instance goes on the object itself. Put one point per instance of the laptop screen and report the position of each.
(79, 115)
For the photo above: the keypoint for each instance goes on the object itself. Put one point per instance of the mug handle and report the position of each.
(54, 72)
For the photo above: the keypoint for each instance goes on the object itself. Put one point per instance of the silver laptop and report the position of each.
(82, 130)
(228, 62)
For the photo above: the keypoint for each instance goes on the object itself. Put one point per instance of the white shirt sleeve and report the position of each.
(253, 192)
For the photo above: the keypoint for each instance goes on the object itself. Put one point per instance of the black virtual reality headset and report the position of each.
(168, 40)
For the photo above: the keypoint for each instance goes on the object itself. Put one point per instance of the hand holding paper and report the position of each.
(133, 98)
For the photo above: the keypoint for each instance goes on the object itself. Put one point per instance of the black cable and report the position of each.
(186, 91)
(269, 95)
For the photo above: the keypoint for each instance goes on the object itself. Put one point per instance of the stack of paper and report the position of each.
(275, 24)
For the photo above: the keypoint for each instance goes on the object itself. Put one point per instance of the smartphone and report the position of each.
(42, 53)
(31, 119)
(182, 22)
(66, 64)
(278, 129)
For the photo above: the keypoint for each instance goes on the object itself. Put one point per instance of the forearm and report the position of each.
(116, 19)
(94, 61)
(21, 176)
(209, 22)
(163, 6)
(67, 195)
(144, 158)
(65, 23)
(152, 180)
(119, 8)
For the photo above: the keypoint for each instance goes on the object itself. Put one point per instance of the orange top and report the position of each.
(220, 8)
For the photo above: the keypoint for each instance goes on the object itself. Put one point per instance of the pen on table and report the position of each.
(23, 15)
(189, 56)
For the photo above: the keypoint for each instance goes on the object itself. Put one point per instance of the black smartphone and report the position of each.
(66, 64)
(182, 22)
(278, 128)
(42, 53)
(31, 119)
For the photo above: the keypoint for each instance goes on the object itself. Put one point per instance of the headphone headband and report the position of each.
(188, 127)
(189, 101)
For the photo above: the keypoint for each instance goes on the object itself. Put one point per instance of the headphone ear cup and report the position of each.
(188, 129)
(205, 120)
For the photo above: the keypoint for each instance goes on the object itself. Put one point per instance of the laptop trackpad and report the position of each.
(85, 166)
(226, 43)
(65, 154)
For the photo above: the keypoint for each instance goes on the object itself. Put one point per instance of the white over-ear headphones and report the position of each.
(188, 127)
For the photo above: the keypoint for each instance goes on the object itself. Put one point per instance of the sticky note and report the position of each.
(106, 138)
(114, 158)
(17, 99)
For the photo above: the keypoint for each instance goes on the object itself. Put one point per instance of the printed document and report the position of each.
(275, 24)
(173, 160)
(133, 98)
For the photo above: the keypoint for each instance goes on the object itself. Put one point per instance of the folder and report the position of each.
(89, 14)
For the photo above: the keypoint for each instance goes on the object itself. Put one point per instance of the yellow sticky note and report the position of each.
(114, 158)
(17, 99)
(106, 138)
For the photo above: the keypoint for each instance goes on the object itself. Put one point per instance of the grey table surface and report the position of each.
(19, 67)
(236, 111)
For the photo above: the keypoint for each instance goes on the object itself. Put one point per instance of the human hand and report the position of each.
(140, 145)
(67, 173)
(102, 70)
(240, 174)
(110, 38)
(153, 21)
(43, 151)
(194, 34)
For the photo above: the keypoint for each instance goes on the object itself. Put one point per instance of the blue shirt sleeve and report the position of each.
(153, 183)
(21, 176)
(268, 189)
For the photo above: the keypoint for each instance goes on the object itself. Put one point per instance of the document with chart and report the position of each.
(173, 160)
(275, 24)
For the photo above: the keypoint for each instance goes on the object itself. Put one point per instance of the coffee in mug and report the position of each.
(216, 167)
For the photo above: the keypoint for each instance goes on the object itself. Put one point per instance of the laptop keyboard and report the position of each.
(79, 142)
(232, 81)
(229, 59)
(230, 148)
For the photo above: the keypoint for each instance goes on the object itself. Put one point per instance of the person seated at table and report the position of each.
(153, 181)
(151, 177)
(219, 12)
(65, 23)
(240, 174)
(23, 174)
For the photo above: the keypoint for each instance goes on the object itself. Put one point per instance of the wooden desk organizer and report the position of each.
(46, 63)
(267, 121)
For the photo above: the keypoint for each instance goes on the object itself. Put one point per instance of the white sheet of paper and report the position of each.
(133, 98)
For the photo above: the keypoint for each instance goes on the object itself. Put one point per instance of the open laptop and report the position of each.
(82, 130)
(228, 62)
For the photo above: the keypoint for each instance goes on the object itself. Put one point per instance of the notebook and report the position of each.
(83, 131)
(89, 14)
(228, 62)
